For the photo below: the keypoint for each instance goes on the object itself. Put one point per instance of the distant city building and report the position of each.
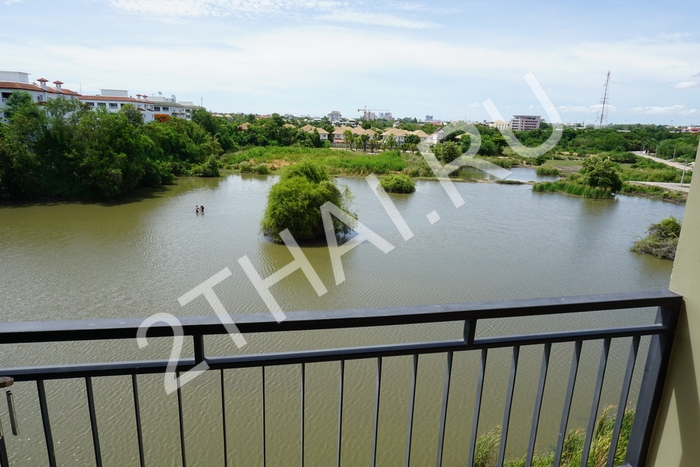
(499, 125)
(428, 118)
(335, 117)
(525, 122)
(110, 99)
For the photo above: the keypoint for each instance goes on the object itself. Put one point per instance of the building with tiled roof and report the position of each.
(323, 134)
(11, 81)
(110, 99)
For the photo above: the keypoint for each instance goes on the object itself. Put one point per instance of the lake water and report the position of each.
(136, 256)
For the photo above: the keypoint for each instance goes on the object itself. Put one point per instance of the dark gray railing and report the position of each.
(660, 335)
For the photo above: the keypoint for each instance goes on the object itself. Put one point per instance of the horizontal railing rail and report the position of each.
(660, 334)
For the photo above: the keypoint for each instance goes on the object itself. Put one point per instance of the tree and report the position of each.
(16, 100)
(133, 114)
(295, 202)
(364, 138)
(411, 142)
(390, 142)
(446, 152)
(349, 138)
(601, 172)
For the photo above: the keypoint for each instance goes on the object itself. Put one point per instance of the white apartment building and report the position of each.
(109, 99)
(525, 122)
(11, 81)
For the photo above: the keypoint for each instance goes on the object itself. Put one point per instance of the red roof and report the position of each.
(58, 82)
(34, 87)
(43, 80)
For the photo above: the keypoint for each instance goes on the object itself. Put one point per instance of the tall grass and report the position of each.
(486, 449)
(574, 189)
(547, 170)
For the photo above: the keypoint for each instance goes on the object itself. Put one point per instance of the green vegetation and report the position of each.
(295, 202)
(547, 170)
(486, 450)
(66, 150)
(397, 184)
(662, 239)
(652, 191)
(575, 189)
(601, 172)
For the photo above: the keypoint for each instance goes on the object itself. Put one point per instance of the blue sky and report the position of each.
(308, 57)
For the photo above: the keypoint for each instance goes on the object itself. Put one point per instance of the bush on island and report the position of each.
(397, 184)
(295, 202)
(662, 240)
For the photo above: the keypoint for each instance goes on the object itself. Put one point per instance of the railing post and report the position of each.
(652, 387)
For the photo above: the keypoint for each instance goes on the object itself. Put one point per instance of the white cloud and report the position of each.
(675, 36)
(205, 8)
(687, 85)
(10, 2)
(590, 109)
(474, 105)
(671, 110)
(376, 19)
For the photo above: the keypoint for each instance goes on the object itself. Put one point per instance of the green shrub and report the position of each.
(574, 189)
(547, 170)
(662, 240)
(509, 182)
(295, 202)
(397, 184)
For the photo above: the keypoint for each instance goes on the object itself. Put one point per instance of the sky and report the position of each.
(310, 57)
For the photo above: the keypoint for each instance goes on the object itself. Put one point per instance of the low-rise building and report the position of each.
(499, 125)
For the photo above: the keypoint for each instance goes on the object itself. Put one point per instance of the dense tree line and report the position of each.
(64, 149)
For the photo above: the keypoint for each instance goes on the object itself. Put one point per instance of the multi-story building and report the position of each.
(335, 117)
(11, 81)
(525, 122)
(110, 99)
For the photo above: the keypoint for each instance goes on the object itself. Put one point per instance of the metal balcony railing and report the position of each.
(659, 335)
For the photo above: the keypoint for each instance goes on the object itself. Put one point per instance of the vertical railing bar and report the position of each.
(93, 421)
(469, 331)
(376, 411)
(477, 406)
(223, 417)
(411, 407)
(137, 414)
(198, 341)
(624, 394)
(4, 461)
(567, 403)
(538, 404)
(264, 426)
(508, 406)
(652, 386)
(596, 401)
(181, 419)
(303, 402)
(443, 414)
(50, 449)
(340, 412)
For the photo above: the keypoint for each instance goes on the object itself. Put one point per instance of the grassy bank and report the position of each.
(486, 452)
(337, 162)
(573, 189)
(655, 192)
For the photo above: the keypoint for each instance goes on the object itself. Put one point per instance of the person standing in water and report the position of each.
(201, 208)
(196, 209)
